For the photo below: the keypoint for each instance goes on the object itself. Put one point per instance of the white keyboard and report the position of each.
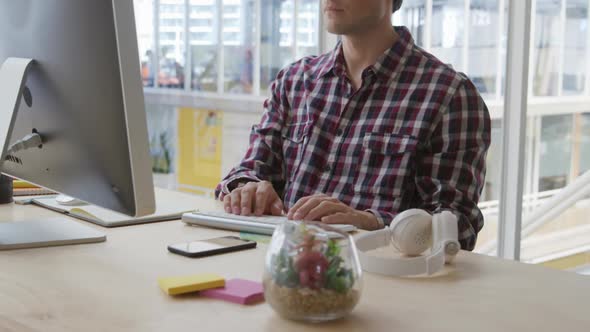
(252, 224)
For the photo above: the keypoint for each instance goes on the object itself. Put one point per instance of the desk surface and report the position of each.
(112, 286)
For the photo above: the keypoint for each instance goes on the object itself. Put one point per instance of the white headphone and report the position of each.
(412, 232)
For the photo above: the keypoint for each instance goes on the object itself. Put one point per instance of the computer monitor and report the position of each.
(70, 76)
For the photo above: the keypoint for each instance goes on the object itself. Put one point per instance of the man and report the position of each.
(357, 135)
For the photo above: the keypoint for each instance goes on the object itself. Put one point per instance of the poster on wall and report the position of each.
(199, 150)
(162, 133)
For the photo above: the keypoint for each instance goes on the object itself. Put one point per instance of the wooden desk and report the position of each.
(112, 286)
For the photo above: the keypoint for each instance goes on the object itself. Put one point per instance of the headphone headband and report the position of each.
(445, 246)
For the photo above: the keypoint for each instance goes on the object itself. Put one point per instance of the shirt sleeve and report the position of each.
(450, 175)
(264, 159)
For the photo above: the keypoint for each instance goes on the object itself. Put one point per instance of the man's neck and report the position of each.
(362, 50)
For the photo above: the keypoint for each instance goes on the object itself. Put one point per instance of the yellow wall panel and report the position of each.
(199, 148)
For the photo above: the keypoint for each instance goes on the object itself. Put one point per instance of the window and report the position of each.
(561, 152)
(308, 33)
(413, 16)
(224, 47)
(547, 43)
(296, 37)
(471, 35)
(560, 48)
(448, 31)
(555, 151)
(144, 13)
(204, 45)
(239, 43)
(276, 44)
(484, 39)
(557, 148)
(172, 45)
(575, 48)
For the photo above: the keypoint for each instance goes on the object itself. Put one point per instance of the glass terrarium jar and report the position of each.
(312, 272)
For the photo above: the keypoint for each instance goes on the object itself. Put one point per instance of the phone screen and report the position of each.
(212, 245)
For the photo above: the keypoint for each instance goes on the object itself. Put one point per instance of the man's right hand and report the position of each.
(258, 198)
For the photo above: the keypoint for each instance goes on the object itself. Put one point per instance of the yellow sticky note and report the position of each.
(187, 284)
(22, 184)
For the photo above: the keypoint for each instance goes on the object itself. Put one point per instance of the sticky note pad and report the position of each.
(187, 284)
(238, 291)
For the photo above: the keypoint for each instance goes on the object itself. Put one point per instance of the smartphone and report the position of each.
(210, 247)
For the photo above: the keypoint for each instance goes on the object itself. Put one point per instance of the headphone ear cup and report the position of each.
(412, 232)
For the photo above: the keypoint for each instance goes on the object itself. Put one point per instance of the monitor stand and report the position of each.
(38, 233)
(13, 75)
(46, 232)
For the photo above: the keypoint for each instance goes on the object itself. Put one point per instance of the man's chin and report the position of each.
(336, 29)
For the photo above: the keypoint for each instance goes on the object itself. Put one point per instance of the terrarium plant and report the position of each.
(312, 272)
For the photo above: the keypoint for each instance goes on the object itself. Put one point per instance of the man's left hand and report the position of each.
(330, 210)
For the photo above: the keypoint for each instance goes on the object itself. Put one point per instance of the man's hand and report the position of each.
(330, 210)
(259, 198)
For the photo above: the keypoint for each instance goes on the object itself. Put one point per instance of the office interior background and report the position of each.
(206, 67)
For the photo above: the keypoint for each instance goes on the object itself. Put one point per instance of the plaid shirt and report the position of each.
(414, 135)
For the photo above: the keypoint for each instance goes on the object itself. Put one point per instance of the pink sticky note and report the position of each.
(238, 291)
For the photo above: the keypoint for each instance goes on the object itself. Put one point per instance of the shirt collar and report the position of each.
(387, 64)
(333, 63)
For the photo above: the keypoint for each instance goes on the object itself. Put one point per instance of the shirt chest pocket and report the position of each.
(295, 138)
(387, 162)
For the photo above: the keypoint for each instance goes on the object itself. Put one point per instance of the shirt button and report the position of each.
(340, 132)
(327, 168)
